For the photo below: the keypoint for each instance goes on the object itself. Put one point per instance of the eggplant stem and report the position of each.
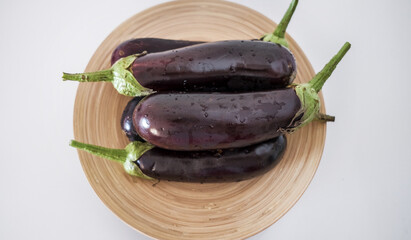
(320, 78)
(282, 26)
(127, 156)
(99, 76)
(278, 36)
(325, 117)
(118, 155)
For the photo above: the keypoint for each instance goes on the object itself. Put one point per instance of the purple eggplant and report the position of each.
(126, 121)
(146, 161)
(233, 65)
(216, 66)
(202, 121)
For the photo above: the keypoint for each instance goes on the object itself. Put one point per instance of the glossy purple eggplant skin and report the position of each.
(203, 121)
(213, 166)
(126, 121)
(233, 65)
(151, 45)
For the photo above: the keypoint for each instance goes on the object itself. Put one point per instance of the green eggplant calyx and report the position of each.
(134, 151)
(274, 39)
(124, 81)
(310, 104)
(278, 36)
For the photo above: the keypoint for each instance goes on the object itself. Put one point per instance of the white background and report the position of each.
(362, 189)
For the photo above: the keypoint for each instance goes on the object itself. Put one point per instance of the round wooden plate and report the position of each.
(171, 210)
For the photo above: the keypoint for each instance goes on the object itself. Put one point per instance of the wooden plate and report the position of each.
(171, 210)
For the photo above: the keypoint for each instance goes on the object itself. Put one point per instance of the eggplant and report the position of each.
(229, 165)
(203, 121)
(217, 66)
(151, 45)
(126, 121)
(235, 65)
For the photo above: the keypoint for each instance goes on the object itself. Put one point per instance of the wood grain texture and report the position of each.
(171, 210)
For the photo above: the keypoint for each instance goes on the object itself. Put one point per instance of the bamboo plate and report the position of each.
(170, 210)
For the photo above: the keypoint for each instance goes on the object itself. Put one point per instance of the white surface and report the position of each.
(362, 189)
